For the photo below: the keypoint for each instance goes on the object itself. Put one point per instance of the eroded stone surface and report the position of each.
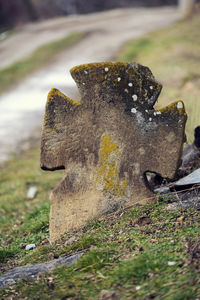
(31, 271)
(107, 141)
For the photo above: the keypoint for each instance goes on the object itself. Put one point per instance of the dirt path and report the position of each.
(21, 109)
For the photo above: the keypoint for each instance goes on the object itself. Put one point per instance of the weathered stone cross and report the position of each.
(107, 142)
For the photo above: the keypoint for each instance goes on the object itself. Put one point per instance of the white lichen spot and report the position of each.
(144, 125)
(150, 119)
(133, 110)
(119, 79)
(179, 105)
(134, 97)
(83, 83)
(151, 87)
(106, 69)
(146, 110)
(86, 72)
(130, 84)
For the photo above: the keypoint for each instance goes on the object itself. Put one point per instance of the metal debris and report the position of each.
(191, 179)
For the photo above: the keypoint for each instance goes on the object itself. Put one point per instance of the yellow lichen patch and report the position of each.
(107, 172)
(107, 147)
(56, 93)
(106, 73)
(93, 66)
(175, 107)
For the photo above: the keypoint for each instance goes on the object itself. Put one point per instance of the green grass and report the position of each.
(121, 253)
(173, 55)
(43, 55)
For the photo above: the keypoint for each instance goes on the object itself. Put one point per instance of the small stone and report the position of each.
(35, 270)
(119, 78)
(9, 281)
(30, 247)
(130, 84)
(32, 192)
(86, 72)
(106, 69)
(150, 119)
(138, 287)
(171, 263)
(151, 87)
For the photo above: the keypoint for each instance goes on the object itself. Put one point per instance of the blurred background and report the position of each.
(14, 12)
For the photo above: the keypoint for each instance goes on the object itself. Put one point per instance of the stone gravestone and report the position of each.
(107, 141)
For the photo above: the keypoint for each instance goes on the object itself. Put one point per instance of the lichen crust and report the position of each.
(54, 93)
(176, 107)
(107, 171)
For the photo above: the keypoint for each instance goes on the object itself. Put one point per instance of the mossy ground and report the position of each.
(128, 251)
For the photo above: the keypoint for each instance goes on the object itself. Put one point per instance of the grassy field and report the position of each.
(173, 55)
(147, 252)
(43, 55)
(127, 252)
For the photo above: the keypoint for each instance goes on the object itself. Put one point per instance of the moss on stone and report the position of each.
(175, 107)
(107, 171)
(93, 66)
(51, 99)
(56, 93)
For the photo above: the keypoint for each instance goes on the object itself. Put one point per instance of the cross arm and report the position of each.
(59, 113)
